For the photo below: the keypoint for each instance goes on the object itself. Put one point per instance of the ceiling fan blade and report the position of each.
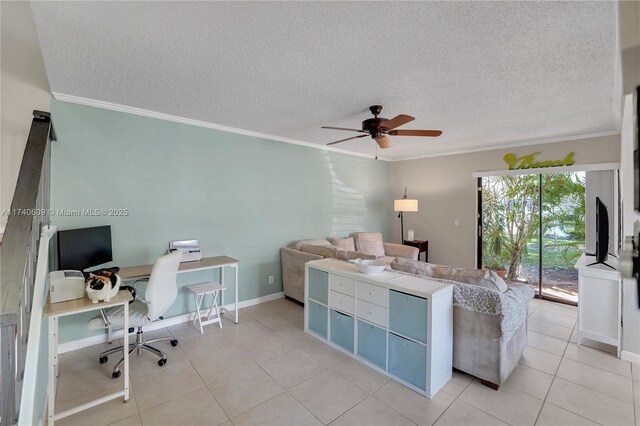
(342, 128)
(397, 121)
(347, 139)
(432, 133)
(383, 141)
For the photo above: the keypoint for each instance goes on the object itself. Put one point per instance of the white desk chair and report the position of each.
(161, 292)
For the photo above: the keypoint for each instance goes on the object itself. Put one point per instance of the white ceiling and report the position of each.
(486, 73)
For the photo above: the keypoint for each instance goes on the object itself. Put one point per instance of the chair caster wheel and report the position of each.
(115, 374)
(162, 362)
(103, 359)
(174, 342)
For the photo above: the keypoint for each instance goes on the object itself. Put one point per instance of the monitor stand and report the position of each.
(599, 263)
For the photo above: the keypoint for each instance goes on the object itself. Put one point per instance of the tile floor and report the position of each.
(266, 371)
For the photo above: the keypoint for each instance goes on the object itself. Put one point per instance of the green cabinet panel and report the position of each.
(318, 318)
(372, 343)
(319, 285)
(342, 333)
(408, 315)
(408, 361)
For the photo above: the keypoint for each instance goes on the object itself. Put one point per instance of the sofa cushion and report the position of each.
(324, 251)
(351, 255)
(370, 243)
(344, 243)
(311, 243)
(481, 277)
(414, 267)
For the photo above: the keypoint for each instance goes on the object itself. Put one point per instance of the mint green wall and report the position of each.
(240, 196)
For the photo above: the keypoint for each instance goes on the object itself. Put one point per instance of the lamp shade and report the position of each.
(405, 205)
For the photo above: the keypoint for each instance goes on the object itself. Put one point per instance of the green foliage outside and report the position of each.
(511, 210)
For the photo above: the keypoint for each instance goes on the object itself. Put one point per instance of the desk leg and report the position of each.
(126, 351)
(236, 304)
(53, 367)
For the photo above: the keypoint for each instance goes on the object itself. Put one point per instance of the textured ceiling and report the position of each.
(486, 73)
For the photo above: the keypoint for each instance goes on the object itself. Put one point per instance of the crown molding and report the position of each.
(198, 123)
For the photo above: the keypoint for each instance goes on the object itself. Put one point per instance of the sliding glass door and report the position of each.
(531, 230)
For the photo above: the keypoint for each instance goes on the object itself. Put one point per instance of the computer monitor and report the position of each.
(84, 248)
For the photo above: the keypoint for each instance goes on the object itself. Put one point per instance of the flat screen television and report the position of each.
(602, 234)
(84, 248)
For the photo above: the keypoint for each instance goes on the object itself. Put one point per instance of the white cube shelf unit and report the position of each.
(398, 324)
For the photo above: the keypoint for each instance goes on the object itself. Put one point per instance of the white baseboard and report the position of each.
(168, 322)
(630, 356)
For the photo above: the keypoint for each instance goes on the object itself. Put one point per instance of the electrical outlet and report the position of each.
(270, 279)
(456, 222)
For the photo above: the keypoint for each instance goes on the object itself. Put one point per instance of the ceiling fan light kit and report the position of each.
(379, 127)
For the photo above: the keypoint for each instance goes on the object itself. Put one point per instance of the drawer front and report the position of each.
(372, 344)
(408, 361)
(374, 313)
(318, 285)
(342, 333)
(342, 284)
(318, 318)
(408, 315)
(343, 302)
(373, 294)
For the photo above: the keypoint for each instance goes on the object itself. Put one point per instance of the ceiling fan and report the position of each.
(379, 128)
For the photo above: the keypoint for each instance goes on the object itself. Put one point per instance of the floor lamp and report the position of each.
(404, 205)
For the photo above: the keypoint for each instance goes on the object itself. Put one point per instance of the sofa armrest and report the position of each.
(293, 262)
(399, 250)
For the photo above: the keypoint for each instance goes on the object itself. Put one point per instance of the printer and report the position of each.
(66, 285)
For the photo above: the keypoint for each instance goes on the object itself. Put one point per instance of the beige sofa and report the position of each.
(361, 245)
(489, 319)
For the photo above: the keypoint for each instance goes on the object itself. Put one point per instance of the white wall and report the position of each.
(24, 87)
(446, 191)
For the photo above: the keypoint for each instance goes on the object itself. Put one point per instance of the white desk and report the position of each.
(144, 271)
(56, 310)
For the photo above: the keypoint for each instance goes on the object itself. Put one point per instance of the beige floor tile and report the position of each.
(598, 359)
(203, 345)
(327, 395)
(74, 383)
(221, 363)
(530, 381)
(102, 414)
(245, 331)
(292, 367)
(188, 329)
(280, 410)
(588, 403)
(594, 378)
(227, 423)
(459, 381)
(160, 386)
(360, 375)
(546, 343)
(534, 303)
(574, 336)
(134, 420)
(277, 321)
(462, 414)
(507, 404)
(323, 352)
(244, 390)
(549, 329)
(265, 347)
(635, 371)
(540, 360)
(84, 358)
(412, 405)
(371, 412)
(559, 308)
(554, 318)
(197, 407)
(295, 336)
(554, 416)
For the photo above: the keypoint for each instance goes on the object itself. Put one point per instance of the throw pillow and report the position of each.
(370, 243)
(351, 255)
(414, 267)
(481, 277)
(344, 243)
(324, 251)
(311, 243)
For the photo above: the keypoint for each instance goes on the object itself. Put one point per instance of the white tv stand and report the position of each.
(599, 302)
